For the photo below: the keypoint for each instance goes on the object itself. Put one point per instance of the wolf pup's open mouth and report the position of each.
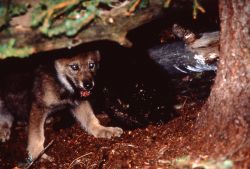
(85, 93)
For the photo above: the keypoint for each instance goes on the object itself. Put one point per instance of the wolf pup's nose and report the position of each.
(88, 85)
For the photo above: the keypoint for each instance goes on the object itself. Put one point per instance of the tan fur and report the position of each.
(86, 117)
(49, 96)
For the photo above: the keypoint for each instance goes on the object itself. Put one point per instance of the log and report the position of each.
(113, 25)
(191, 54)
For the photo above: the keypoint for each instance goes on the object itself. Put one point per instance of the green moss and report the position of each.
(62, 17)
(208, 163)
(9, 11)
(9, 50)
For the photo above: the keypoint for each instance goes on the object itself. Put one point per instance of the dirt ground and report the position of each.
(146, 143)
(158, 122)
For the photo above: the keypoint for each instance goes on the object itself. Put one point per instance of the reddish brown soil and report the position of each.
(151, 146)
(145, 146)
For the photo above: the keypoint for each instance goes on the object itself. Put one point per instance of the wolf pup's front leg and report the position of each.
(36, 131)
(84, 114)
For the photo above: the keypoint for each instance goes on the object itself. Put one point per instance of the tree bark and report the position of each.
(224, 121)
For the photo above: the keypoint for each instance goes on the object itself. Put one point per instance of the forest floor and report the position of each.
(148, 144)
(157, 113)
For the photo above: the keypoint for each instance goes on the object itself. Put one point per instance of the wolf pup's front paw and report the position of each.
(4, 132)
(107, 132)
(46, 157)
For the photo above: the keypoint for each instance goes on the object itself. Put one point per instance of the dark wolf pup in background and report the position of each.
(65, 83)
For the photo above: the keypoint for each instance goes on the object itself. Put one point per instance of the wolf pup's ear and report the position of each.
(98, 55)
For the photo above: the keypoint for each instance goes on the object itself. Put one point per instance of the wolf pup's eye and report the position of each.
(91, 65)
(75, 67)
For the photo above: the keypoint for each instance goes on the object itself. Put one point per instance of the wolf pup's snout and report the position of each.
(88, 85)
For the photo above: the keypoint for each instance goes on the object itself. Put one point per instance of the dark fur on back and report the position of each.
(16, 81)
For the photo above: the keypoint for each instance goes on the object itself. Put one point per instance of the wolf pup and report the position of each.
(67, 83)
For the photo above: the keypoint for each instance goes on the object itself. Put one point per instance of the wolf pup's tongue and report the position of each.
(85, 93)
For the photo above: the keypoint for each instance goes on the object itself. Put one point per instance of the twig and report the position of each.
(134, 7)
(196, 5)
(70, 166)
(167, 3)
(53, 9)
(40, 154)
